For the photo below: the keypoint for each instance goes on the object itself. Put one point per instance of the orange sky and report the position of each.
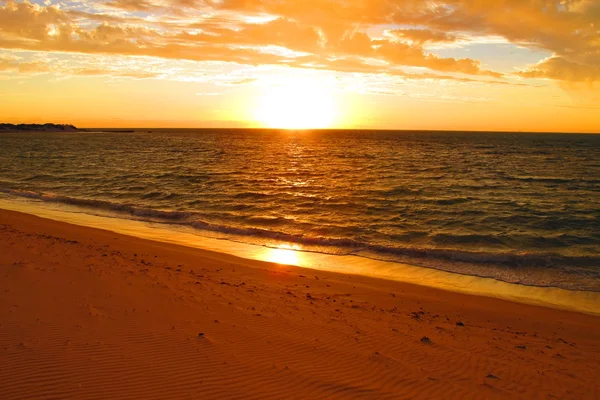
(394, 64)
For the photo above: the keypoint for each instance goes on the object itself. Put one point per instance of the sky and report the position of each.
(508, 65)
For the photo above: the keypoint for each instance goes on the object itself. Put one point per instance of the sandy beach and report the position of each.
(91, 314)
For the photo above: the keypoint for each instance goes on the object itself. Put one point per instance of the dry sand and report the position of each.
(91, 314)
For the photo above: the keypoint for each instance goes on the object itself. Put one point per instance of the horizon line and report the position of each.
(256, 128)
(333, 129)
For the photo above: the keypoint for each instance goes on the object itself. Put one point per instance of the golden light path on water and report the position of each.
(285, 254)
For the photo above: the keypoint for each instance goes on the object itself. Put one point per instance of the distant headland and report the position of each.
(38, 128)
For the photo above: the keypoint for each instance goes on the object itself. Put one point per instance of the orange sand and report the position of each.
(91, 314)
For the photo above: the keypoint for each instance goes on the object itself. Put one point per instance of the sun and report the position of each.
(296, 104)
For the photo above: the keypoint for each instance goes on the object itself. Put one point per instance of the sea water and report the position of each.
(515, 207)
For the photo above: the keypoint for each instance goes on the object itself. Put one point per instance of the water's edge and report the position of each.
(482, 264)
(581, 301)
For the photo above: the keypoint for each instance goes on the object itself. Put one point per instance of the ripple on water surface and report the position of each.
(517, 207)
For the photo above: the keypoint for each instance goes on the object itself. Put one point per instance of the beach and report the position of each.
(278, 199)
(92, 314)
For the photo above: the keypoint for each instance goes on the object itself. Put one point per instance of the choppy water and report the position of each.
(516, 207)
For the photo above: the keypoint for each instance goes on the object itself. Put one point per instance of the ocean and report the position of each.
(516, 207)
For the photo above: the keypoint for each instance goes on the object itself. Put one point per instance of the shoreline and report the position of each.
(547, 296)
(89, 313)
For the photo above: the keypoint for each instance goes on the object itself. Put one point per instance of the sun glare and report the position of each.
(283, 254)
(297, 104)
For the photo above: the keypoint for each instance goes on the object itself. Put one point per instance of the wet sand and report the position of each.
(91, 314)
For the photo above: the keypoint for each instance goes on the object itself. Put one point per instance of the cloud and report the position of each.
(561, 69)
(424, 35)
(8, 64)
(96, 67)
(577, 107)
(375, 36)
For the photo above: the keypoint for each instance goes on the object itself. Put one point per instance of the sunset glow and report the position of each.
(384, 64)
(299, 104)
(312, 199)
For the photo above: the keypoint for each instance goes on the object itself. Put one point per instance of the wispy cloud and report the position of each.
(330, 35)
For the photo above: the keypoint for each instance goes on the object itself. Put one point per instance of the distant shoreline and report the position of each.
(39, 128)
(49, 127)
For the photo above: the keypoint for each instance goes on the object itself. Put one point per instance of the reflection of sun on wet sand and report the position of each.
(283, 254)
(86, 313)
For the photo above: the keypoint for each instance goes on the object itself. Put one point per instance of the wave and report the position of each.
(101, 204)
(152, 195)
(347, 246)
(40, 177)
(251, 195)
(549, 179)
(450, 201)
(156, 195)
(401, 191)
